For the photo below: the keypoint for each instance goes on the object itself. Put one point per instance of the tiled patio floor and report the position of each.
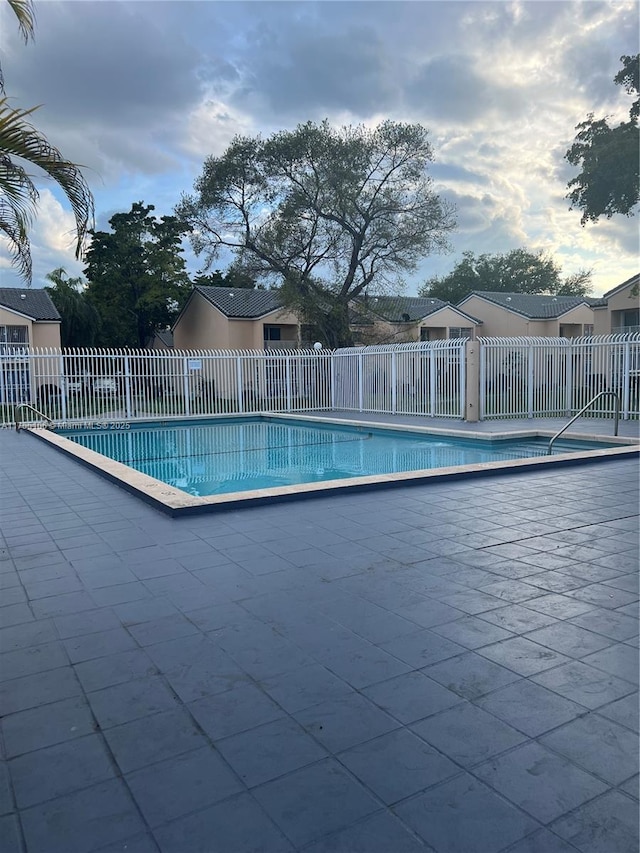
(450, 667)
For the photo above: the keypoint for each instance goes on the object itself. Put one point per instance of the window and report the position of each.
(424, 333)
(587, 329)
(14, 334)
(272, 333)
(460, 332)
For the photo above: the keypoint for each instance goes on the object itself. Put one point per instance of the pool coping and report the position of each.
(175, 502)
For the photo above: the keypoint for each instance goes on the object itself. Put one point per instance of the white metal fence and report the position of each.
(551, 377)
(110, 385)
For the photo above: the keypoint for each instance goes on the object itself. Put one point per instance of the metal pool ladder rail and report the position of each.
(584, 409)
(33, 409)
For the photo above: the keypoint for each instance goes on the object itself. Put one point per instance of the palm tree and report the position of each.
(18, 193)
(80, 318)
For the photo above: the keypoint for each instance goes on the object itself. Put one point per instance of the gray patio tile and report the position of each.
(15, 614)
(584, 684)
(60, 769)
(314, 801)
(114, 669)
(603, 825)
(411, 697)
(99, 644)
(27, 634)
(187, 783)
(422, 648)
(195, 667)
(542, 841)
(559, 606)
(530, 708)
(518, 619)
(543, 784)
(266, 658)
(138, 844)
(153, 738)
(380, 833)
(467, 734)
(472, 632)
(341, 723)
(631, 786)
(13, 595)
(99, 578)
(82, 821)
(627, 562)
(143, 610)
(39, 689)
(234, 711)
(56, 586)
(119, 594)
(473, 601)
(303, 687)
(269, 751)
(159, 630)
(427, 613)
(569, 639)
(620, 660)
(362, 664)
(131, 700)
(60, 605)
(238, 824)
(10, 834)
(510, 590)
(629, 582)
(617, 626)
(624, 711)
(26, 731)
(598, 745)
(604, 595)
(462, 814)
(470, 676)
(87, 622)
(6, 795)
(522, 656)
(416, 765)
(148, 570)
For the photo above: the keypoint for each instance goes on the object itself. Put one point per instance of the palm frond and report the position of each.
(15, 231)
(25, 13)
(20, 139)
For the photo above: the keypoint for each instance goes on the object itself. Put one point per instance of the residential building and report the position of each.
(401, 319)
(527, 314)
(28, 318)
(619, 310)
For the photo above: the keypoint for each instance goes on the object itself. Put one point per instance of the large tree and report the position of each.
(518, 271)
(80, 318)
(136, 273)
(22, 146)
(322, 212)
(608, 157)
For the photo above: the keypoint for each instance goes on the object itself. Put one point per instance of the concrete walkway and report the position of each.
(449, 667)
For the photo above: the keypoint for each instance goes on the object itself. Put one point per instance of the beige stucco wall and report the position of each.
(201, 326)
(40, 334)
(46, 335)
(445, 319)
(499, 322)
(622, 301)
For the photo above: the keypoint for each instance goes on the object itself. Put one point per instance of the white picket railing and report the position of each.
(94, 385)
(550, 377)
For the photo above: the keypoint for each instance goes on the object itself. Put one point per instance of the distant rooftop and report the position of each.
(35, 304)
(240, 302)
(535, 306)
(407, 309)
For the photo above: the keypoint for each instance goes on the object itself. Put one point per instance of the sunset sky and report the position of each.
(141, 92)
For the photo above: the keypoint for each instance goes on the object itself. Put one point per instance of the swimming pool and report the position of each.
(182, 465)
(261, 453)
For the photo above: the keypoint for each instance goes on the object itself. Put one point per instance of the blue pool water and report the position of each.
(237, 455)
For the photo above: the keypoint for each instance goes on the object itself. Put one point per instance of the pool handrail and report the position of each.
(33, 409)
(584, 409)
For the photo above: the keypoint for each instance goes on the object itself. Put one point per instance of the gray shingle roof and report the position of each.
(36, 304)
(635, 279)
(239, 302)
(408, 309)
(534, 306)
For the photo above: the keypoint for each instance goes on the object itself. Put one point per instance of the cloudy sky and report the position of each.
(141, 92)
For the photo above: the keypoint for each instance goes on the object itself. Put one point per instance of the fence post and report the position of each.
(626, 379)
(64, 388)
(470, 381)
(530, 382)
(332, 380)
(569, 380)
(239, 383)
(185, 387)
(288, 381)
(394, 383)
(127, 386)
(432, 380)
(360, 380)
